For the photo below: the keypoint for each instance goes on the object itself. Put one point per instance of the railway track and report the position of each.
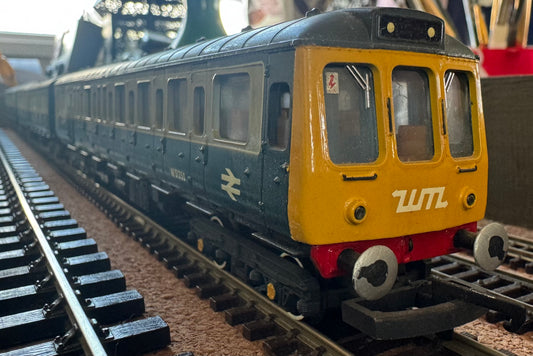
(512, 294)
(58, 294)
(503, 284)
(242, 305)
(520, 254)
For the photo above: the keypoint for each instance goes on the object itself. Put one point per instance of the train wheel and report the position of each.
(374, 272)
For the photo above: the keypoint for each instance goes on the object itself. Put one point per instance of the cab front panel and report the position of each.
(410, 168)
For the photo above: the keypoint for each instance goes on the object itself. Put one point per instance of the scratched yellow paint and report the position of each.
(321, 202)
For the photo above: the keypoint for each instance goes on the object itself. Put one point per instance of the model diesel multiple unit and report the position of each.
(342, 144)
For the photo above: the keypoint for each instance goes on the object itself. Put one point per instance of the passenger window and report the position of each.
(177, 105)
(159, 109)
(198, 111)
(120, 103)
(131, 107)
(279, 116)
(412, 114)
(95, 103)
(234, 107)
(143, 110)
(103, 108)
(458, 114)
(87, 102)
(350, 113)
(110, 105)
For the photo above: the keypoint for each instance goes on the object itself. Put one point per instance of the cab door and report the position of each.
(143, 139)
(176, 145)
(199, 148)
(276, 156)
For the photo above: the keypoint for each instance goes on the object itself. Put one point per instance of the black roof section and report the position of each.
(351, 28)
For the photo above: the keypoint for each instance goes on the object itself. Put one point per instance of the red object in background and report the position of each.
(509, 61)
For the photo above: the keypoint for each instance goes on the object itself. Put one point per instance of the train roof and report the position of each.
(31, 86)
(364, 28)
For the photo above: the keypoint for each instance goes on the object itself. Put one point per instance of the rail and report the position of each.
(89, 339)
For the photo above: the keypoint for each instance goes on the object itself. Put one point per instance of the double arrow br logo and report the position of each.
(231, 181)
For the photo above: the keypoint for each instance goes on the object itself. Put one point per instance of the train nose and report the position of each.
(489, 246)
(373, 272)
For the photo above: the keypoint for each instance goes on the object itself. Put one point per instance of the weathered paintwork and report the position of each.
(296, 192)
(320, 199)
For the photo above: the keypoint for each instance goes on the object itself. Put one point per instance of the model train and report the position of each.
(338, 147)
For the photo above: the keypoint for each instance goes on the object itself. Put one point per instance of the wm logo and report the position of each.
(416, 201)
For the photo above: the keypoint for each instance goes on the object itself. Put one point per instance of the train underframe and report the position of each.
(416, 305)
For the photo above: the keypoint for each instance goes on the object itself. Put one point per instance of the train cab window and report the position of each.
(350, 113)
(143, 104)
(131, 107)
(177, 105)
(458, 114)
(159, 109)
(198, 114)
(233, 96)
(120, 103)
(412, 114)
(279, 116)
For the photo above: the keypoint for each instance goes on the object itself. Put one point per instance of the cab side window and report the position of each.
(279, 116)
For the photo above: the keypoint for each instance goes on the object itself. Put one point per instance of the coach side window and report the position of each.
(177, 105)
(94, 103)
(110, 106)
(120, 103)
(103, 108)
(143, 112)
(233, 94)
(87, 101)
(279, 116)
(198, 114)
(159, 109)
(131, 107)
(80, 110)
